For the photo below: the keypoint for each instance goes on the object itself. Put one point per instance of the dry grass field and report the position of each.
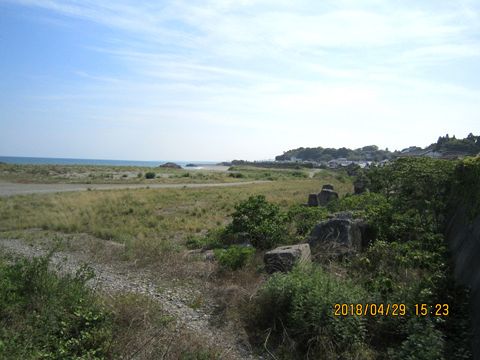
(145, 230)
(149, 222)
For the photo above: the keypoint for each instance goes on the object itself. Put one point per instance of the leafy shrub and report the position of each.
(301, 304)
(261, 221)
(408, 263)
(298, 174)
(424, 342)
(366, 202)
(236, 175)
(304, 218)
(416, 184)
(150, 175)
(235, 257)
(46, 316)
(388, 217)
(414, 272)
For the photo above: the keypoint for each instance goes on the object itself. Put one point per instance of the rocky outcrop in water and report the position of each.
(170, 165)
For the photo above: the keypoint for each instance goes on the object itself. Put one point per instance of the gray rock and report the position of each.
(367, 231)
(312, 200)
(199, 254)
(338, 237)
(463, 235)
(359, 185)
(170, 165)
(209, 255)
(325, 196)
(327, 187)
(284, 258)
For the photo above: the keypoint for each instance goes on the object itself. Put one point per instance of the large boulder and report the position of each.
(312, 200)
(325, 196)
(283, 258)
(199, 254)
(361, 184)
(339, 236)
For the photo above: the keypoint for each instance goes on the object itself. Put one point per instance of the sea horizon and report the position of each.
(28, 160)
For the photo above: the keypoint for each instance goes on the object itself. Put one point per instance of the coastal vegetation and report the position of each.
(406, 205)
(83, 174)
(408, 263)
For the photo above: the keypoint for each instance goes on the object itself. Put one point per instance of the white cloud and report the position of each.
(280, 66)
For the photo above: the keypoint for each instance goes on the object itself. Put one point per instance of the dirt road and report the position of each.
(10, 189)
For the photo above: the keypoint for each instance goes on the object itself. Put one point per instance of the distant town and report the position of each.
(446, 147)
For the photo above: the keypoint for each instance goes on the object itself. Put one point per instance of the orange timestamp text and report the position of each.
(394, 310)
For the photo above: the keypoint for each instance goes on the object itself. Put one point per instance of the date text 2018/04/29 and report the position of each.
(394, 309)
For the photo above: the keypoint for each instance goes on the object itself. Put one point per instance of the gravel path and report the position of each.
(10, 189)
(115, 278)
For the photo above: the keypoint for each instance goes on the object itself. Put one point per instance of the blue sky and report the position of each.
(217, 80)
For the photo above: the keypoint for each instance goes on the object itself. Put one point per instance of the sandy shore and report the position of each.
(210, 167)
(10, 189)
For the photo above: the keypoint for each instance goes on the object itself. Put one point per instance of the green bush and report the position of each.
(150, 175)
(235, 257)
(236, 175)
(304, 218)
(262, 222)
(424, 342)
(298, 174)
(409, 263)
(301, 304)
(416, 184)
(43, 316)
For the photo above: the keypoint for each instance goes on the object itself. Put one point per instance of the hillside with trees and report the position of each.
(320, 154)
(445, 146)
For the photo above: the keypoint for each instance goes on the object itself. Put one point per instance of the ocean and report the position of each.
(65, 161)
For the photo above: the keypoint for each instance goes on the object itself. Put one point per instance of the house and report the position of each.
(340, 162)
